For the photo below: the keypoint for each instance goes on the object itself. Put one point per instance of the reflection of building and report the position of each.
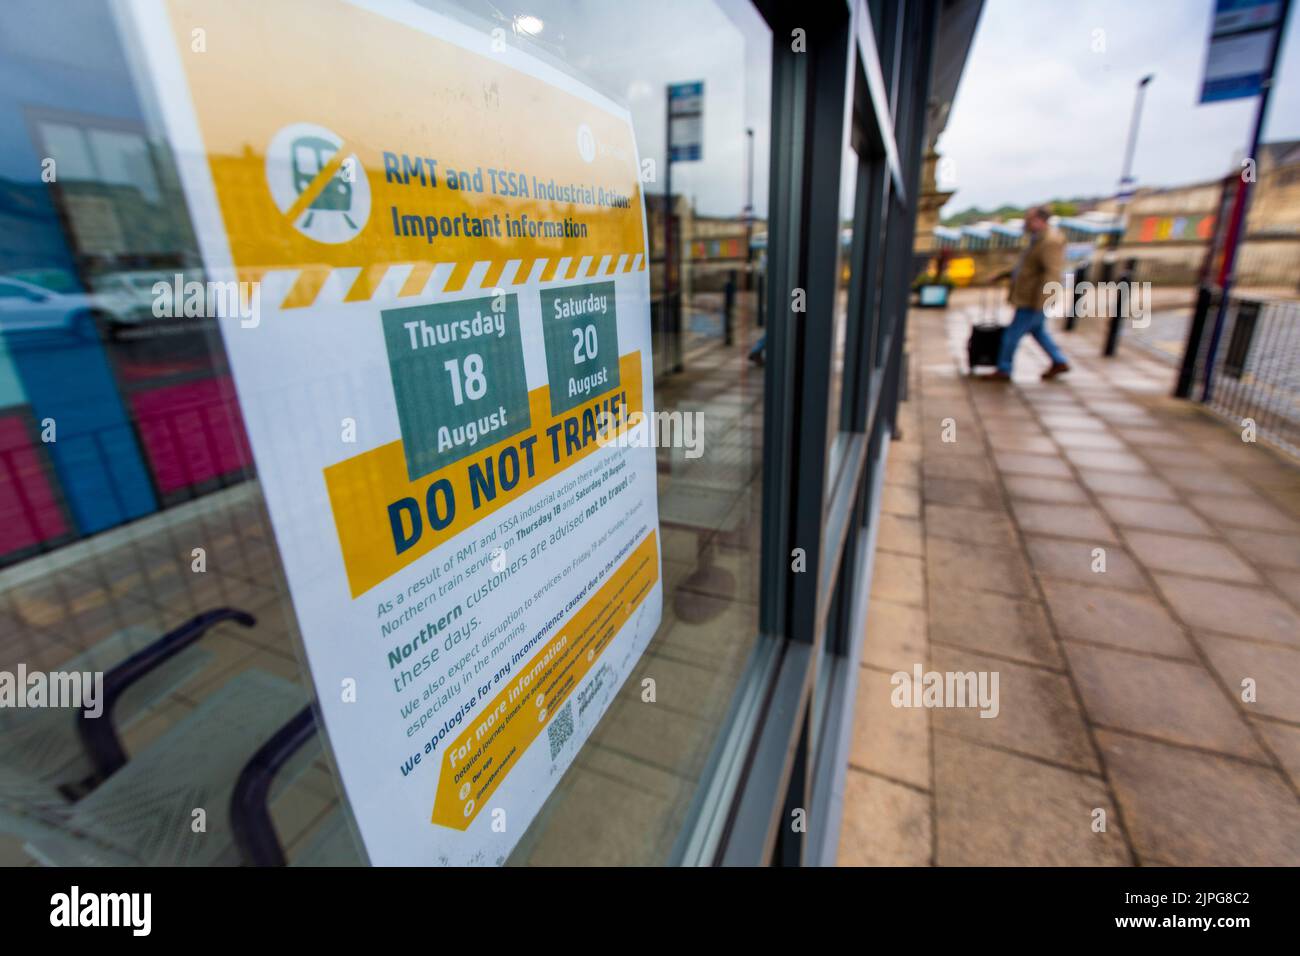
(707, 251)
(717, 247)
(683, 214)
(954, 34)
(705, 245)
(143, 411)
(931, 200)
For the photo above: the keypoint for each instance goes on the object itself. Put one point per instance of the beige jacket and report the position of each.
(1041, 264)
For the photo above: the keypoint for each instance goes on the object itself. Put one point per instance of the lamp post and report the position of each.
(1125, 194)
(1126, 178)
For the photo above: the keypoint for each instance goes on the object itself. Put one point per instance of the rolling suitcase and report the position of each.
(985, 340)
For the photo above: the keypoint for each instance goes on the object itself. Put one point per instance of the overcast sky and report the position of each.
(1039, 114)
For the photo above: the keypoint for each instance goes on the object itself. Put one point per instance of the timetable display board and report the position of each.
(446, 382)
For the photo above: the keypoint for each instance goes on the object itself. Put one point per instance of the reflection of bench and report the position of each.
(99, 735)
(704, 499)
(262, 777)
(148, 811)
(145, 810)
(44, 760)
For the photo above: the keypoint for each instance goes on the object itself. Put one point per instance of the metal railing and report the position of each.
(1253, 377)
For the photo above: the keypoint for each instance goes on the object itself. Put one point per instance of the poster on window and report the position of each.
(430, 269)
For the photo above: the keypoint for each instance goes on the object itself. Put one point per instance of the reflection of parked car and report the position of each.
(128, 297)
(146, 315)
(112, 302)
(27, 310)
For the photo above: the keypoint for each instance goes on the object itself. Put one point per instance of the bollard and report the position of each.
(1112, 330)
(1080, 277)
(1205, 303)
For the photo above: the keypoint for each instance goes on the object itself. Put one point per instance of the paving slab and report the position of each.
(1230, 608)
(1065, 521)
(1175, 701)
(885, 823)
(1274, 673)
(963, 566)
(1034, 712)
(976, 525)
(1193, 809)
(993, 623)
(889, 741)
(1122, 619)
(895, 636)
(1079, 561)
(1199, 557)
(1029, 488)
(993, 808)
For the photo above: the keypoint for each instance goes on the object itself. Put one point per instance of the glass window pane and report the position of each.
(123, 159)
(148, 509)
(68, 148)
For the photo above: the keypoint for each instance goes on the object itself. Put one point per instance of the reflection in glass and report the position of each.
(99, 529)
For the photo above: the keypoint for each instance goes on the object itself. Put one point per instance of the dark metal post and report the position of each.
(1112, 331)
(1204, 303)
(1080, 277)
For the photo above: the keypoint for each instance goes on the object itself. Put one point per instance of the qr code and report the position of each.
(560, 729)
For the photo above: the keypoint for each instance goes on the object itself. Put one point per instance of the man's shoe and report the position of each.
(1000, 377)
(1058, 368)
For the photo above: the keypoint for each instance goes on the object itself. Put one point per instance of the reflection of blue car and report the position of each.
(29, 310)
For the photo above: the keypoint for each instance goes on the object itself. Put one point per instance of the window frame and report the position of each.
(843, 85)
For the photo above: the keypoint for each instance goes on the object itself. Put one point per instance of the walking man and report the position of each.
(1039, 264)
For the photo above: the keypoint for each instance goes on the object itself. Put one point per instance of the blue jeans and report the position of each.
(1034, 322)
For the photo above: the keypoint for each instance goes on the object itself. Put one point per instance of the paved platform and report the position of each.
(1125, 693)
